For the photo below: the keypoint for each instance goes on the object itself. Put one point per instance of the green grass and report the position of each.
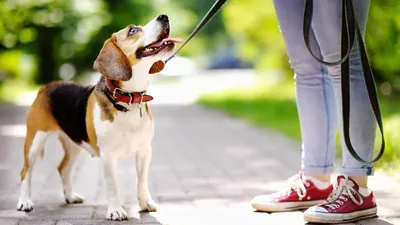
(264, 106)
(274, 107)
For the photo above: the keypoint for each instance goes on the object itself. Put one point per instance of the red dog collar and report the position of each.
(127, 97)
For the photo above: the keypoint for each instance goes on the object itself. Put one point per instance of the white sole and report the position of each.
(320, 217)
(285, 206)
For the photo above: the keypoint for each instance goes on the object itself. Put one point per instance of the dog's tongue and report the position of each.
(158, 44)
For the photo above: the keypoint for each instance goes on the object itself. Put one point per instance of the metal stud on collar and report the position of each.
(140, 105)
(129, 94)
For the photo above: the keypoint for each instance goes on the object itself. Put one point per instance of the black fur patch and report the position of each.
(68, 103)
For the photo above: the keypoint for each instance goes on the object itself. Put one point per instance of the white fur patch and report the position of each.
(126, 134)
(90, 149)
(36, 149)
(129, 132)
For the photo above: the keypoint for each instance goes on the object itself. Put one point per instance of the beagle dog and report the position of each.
(110, 120)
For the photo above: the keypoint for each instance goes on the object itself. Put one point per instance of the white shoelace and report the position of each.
(297, 184)
(341, 194)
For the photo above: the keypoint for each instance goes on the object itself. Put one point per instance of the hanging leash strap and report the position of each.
(214, 9)
(350, 28)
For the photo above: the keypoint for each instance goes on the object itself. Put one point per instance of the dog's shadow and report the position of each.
(83, 214)
(147, 218)
(142, 217)
(134, 216)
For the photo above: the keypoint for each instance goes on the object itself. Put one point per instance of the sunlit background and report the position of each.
(45, 40)
(236, 66)
(240, 51)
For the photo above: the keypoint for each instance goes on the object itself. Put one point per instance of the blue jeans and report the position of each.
(318, 88)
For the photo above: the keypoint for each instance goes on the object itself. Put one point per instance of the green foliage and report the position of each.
(118, 14)
(64, 37)
(254, 27)
(10, 61)
(50, 30)
(20, 20)
(260, 106)
(383, 40)
(51, 35)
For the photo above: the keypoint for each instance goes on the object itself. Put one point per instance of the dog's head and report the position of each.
(136, 46)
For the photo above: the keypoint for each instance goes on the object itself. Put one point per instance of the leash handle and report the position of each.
(214, 9)
(350, 31)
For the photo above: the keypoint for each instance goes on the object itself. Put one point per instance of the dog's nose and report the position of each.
(162, 17)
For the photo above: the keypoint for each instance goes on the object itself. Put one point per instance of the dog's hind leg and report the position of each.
(71, 153)
(143, 159)
(34, 146)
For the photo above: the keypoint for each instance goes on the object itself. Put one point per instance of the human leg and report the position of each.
(317, 115)
(350, 200)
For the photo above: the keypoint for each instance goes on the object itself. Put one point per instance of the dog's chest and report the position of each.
(127, 133)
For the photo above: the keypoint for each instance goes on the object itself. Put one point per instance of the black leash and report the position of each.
(214, 9)
(350, 28)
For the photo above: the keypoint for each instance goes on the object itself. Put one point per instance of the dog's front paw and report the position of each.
(25, 204)
(74, 199)
(116, 213)
(148, 206)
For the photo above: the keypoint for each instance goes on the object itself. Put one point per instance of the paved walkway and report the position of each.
(205, 169)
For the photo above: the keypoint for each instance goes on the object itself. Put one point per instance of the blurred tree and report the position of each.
(215, 30)
(65, 36)
(184, 16)
(120, 13)
(254, 28)
(383, 42)
(49, 29)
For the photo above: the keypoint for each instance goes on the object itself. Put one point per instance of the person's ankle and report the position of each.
(321, 177)
(362, 181)
(321, 181)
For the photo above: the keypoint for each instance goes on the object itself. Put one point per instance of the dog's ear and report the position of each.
(112, 62)
(157, 67)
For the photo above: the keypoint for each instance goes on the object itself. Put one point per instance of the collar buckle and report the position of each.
(141, 96)
(125, 92)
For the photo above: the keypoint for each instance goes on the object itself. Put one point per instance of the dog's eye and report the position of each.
(132, 30)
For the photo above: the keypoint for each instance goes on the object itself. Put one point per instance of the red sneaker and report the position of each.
(345, 204)
(302, 194)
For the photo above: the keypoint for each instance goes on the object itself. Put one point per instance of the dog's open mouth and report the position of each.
(162, 42)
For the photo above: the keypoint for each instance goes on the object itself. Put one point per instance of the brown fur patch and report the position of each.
(65, 159)
(148, 111)
(39, 118)
(107, 109)
(119, 84)
(90, 123)
(133, 60)
(28, 142)
(112, 61)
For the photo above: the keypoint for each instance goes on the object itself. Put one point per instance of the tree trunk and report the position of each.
(47, 63)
